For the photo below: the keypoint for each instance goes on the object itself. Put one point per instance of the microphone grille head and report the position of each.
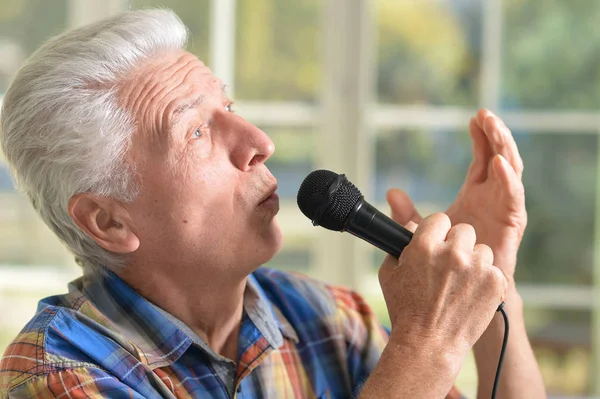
(327, 199)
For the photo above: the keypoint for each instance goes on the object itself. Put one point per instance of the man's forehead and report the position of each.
(193, 73)
(179, 65)
(174, 82)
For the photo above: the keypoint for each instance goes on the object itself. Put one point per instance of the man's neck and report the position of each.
(209, 306)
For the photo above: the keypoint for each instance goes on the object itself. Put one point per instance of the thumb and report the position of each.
(403, 209)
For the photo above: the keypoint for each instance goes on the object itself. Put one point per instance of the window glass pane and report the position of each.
(551, 54)
(277, 50)
(195, 15)
(24, 25)
(430, 166)
(428, 51)
(561, 340)
(560, 183)
(6, 183)
(293, 158)
(22, 288)
(24, 239)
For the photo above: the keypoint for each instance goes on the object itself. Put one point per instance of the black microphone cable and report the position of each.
(502, 350)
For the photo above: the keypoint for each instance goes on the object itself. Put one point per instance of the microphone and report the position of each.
(330, 200)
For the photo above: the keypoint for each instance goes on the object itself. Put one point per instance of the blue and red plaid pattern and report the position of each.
(299, 339)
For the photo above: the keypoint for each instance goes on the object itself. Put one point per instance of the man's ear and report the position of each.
(105, 221)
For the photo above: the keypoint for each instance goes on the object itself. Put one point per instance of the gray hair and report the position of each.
(62, 129)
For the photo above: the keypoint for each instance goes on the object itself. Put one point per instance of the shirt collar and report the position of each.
(160, 341)
(160, 336)
(267, 318)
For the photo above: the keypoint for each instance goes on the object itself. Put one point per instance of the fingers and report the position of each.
(466, 253)
(503, 142)
(500, 139)
(482, 152)
(462, 236)
(452, 250)
(432, 230)
(403, 209)
(497, 281)
(484, 253)
(510, 181)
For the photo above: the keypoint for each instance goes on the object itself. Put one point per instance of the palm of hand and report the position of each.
(497, 213)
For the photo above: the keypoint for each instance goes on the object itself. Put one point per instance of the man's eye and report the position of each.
(229, 108)
(198, 133)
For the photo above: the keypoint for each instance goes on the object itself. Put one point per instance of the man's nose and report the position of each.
(249, 146)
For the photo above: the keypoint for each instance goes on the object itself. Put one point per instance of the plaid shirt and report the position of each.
(299, 338)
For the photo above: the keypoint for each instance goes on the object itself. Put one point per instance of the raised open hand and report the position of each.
(492, 197)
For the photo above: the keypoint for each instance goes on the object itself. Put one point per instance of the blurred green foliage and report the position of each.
(24, 25)
(278, 50)
(428, 52)
(551, 54)
(31, 22)
(196, 17)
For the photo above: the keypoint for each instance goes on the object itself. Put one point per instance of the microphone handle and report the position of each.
(369, 224)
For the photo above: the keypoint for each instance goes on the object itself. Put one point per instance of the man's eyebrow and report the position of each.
(176, 115)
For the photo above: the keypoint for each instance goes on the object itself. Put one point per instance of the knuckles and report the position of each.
(463, 228)
(458, 260)
(440, 221)
(461, 265)
(496, 280)
(422, 239)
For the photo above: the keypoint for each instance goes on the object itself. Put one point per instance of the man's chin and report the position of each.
(271, 245)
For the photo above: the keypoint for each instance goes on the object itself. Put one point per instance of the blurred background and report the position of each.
(382, 91)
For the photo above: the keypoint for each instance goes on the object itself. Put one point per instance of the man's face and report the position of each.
(201, 166)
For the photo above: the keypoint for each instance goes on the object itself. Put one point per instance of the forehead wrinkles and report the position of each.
(198, 90)
(199, 87)
(150, 84)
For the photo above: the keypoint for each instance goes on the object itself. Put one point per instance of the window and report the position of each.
(423, 68)
(277, 50)
(24, 25)
(428, 52)
(536, 64)
(550, 55)
(559, 179)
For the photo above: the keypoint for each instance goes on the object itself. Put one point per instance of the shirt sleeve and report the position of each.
(74, 383)
(365, 337)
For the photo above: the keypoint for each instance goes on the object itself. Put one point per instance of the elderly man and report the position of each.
(129, 149)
